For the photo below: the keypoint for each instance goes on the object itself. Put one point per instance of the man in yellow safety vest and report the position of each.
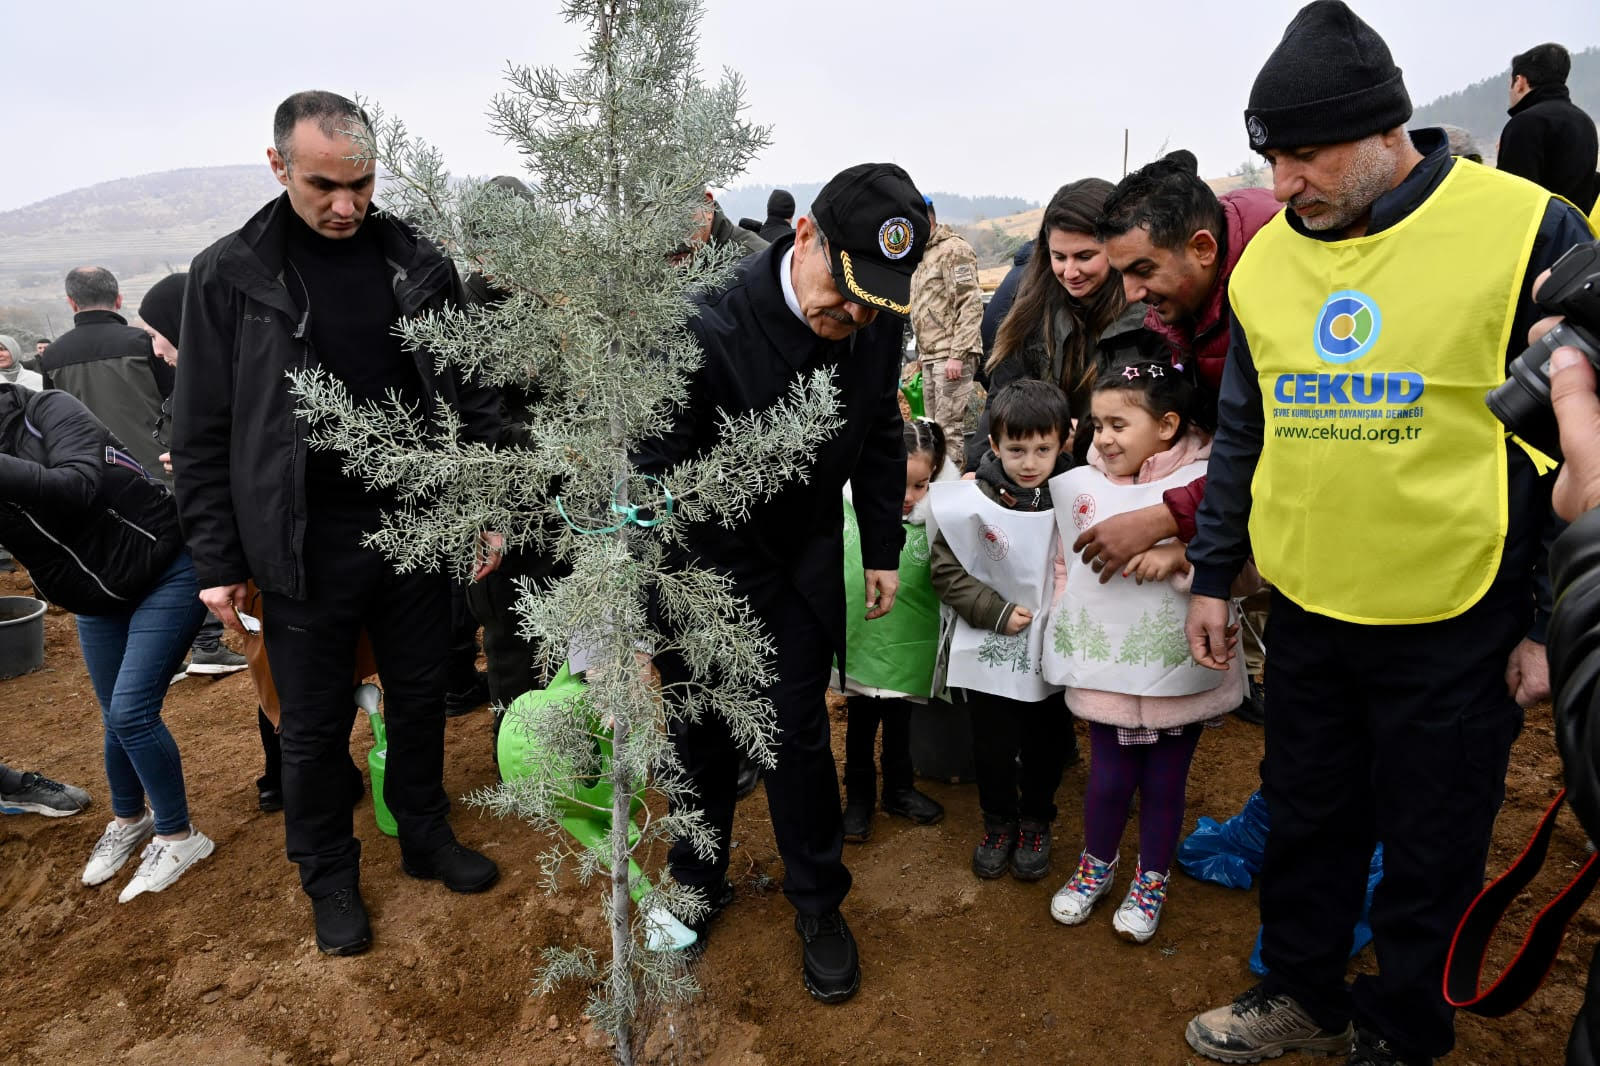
(1401, 528)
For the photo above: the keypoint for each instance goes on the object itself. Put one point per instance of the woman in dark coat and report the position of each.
(100, 537)
(1070, 317)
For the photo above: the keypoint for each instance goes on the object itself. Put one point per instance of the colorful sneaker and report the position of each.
(165, 861)
(115, 846)
(1074, 900)
(992, 856)
(39, 795)
(1140, 913)
(1257, 1026)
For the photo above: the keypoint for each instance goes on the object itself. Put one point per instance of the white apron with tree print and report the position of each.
(1120, 636)
(1013, 552)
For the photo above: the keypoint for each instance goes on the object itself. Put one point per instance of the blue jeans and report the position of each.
(131, 657)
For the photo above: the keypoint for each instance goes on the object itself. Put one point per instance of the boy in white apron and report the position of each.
(996, 560)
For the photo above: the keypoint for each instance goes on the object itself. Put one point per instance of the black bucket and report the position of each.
(941, 742)
(21, 635)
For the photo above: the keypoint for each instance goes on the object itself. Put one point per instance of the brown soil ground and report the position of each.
(222, 969)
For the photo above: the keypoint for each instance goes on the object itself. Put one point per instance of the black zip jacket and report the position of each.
(238, 449)
(1221, 543)
(110, 367)
(93, 530)
(1552, 141)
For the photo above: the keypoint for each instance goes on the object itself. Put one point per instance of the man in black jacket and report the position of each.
(810, 302)
(780, 215)
(1549, 140)
(316, 280)
(108, 365)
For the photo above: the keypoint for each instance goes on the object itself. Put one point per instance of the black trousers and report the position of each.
(461, 673)
(802, 791)
(1007, 731)
(860, 736)
(1393, 733)
(311, 645)
(493, 601)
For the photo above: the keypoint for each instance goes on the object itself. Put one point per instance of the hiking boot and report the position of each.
(165, 861)
(992, 856)
(1140, 913)
(215, 662)
(469, 698)
(1074, 900)
(913, 805)
(342, 926)
(832, 967)
(1257, 1026)
(37, 794)
(459, 867)
(857, 822)
(1373, 1050)
(115, 846)
(1031, 859)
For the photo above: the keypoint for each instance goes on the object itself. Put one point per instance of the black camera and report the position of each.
(1522, 402)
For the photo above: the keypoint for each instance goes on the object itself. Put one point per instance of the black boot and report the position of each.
(342, 926)
(749, 777)
(460, 868)
(907, 802)
(857, 821)
(832, 966)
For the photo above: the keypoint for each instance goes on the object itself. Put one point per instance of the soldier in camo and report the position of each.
(946, 310)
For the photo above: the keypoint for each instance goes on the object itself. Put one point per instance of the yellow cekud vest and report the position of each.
(1380, 495)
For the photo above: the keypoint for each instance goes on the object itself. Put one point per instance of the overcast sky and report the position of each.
(1006, 97)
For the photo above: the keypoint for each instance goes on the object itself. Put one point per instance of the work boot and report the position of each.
(342, 926)
(1257, 1026)
(832, 966)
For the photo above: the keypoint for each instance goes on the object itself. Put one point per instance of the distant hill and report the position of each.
(750, 201)
(1481, 106)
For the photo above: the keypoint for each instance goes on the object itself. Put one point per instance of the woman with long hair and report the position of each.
(1070, 317)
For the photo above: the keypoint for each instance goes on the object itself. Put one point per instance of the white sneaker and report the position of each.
(1140, 913)
(1074, 900)
(164, 862)
(114, 847)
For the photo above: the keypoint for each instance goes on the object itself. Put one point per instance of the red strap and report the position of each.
(1463, 969)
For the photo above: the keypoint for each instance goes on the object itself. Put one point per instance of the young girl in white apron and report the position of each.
(889, 661)
(1119, 647)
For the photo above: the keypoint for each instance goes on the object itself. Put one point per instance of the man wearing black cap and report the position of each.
(780, 215)
(1355, 459)
(810, 302)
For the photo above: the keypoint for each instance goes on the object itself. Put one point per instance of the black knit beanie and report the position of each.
(162, 307)
(780, 204)
(1331, 79)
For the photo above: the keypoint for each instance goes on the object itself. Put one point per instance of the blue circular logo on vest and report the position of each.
(1347, 327)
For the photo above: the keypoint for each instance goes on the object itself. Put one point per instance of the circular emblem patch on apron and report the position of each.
(1083, 510)
(996, 545)
(894, 238)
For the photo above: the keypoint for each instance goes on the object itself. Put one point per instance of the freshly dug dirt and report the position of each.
(221, 968)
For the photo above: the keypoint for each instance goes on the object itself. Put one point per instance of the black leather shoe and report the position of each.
(749, 778)
(1254, 707)
(832, 969)
(342, 926)
(858, 822)
(469, 698)
(909, 803)
(269, 798)
(460, 868)
(718, 900)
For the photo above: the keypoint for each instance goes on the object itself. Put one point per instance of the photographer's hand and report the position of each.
(1572, 395)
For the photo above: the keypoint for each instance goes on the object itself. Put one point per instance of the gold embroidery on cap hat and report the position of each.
(864, 296)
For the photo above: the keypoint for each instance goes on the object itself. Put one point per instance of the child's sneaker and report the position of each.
(992, 856)
(115, 846)
(1140, 913)
(1031, 860)
(165, 861)
(1074, 900)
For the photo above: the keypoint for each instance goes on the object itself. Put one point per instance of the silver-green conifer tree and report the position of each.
(618, 152)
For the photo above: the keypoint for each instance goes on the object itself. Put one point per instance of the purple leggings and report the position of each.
(1159, 772)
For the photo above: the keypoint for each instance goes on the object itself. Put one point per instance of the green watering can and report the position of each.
(586, 808)
(367, 697)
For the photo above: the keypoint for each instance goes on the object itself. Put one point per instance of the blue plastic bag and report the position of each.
(1228, 853)
(1363, 935)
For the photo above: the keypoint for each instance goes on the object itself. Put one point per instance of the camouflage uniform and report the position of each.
(946, 311)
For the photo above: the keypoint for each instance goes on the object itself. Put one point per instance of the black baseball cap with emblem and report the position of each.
(877, 228)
